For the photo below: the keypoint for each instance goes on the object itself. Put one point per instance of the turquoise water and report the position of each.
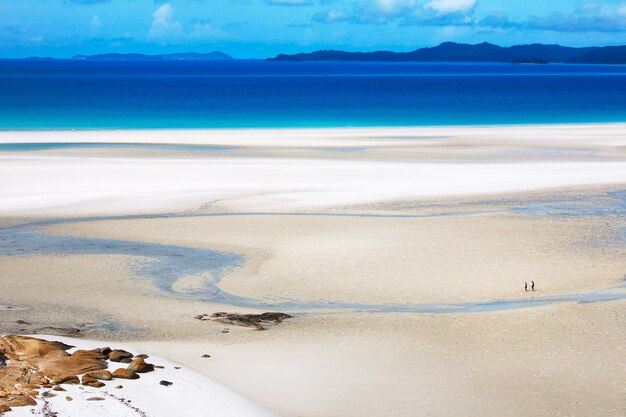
(21, 147)
(66, 94)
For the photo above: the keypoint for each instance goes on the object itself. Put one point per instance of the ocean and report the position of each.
(75, 94)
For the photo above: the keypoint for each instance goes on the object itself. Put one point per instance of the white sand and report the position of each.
(609, 134)
(190, 395)
(44, 183)
(56, 185)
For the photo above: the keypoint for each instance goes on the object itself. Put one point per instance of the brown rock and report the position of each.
(103, 375)
(104, 350)
(87, 380)
(66, 379)
(19, 348)
(4, 408)
(95, 399)
(56, 354)
(19, 400)
(27, 386)
(89, 354)
(140, 366)
(58, 388)
(55, 366)
(68, 398)
(166, 383)
(124, 374)
(118, 354)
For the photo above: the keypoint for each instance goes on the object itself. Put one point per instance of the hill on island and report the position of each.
(185, 56)
(483, 52)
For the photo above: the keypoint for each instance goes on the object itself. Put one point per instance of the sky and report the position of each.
(262, 28)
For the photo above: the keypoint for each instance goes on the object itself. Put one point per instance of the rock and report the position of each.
(205, 356)
(89, 354)
(19, 400)
(58, 388)
(19, 348)
(117, 355)
(159, 367)
(142, 355)
(166, 383)
(87, 380)
(126, 360)
(104, 350)
(48, 394)
(177, 367)
(59, 365)
(102, 374)
(124, 374)
(66, 379)
(95, 399)
(69, 398)
(56, 354)
(119, 387)
(248, 320)
(27, 386)
(4, 408)
(140, 366)
(23, 322)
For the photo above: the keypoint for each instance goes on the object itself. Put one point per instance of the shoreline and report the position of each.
(196, 135)
(314, 128)
(199, 394)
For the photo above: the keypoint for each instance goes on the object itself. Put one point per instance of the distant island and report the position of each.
(483, 52)
(184, 56)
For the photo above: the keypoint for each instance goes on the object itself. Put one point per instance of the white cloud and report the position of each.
(394, 6)
(95, 23)
(445, 7)
(163, 23)
(205, 30)
(333, 15)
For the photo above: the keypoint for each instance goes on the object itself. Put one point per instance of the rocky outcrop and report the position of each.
(29, 364)
(102, 375)
(139, 365)
(256, 321)
(120, 355)
(124, 373)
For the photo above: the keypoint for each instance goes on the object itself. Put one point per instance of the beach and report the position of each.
(402, 254)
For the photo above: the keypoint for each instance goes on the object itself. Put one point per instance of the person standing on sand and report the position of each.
(526, 286)
(532, 285)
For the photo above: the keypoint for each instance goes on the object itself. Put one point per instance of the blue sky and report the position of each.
(261, 28)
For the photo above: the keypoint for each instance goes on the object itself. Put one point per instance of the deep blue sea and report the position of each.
(71, 94)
